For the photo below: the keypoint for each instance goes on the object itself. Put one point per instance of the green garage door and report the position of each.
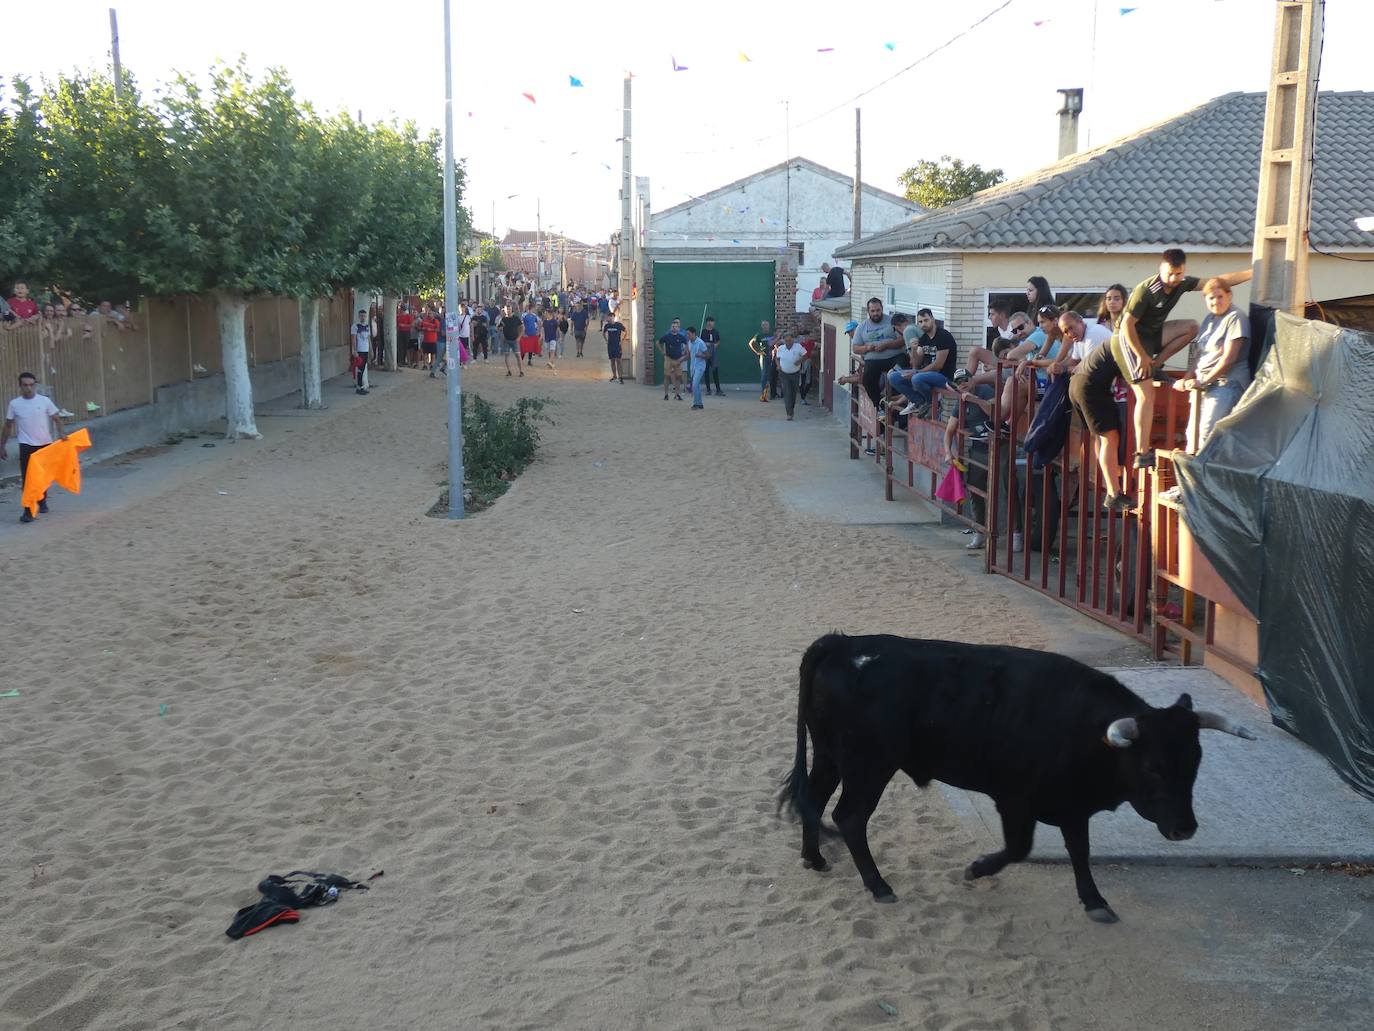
(738, 293)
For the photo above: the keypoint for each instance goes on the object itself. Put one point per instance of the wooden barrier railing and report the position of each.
(1046, 527)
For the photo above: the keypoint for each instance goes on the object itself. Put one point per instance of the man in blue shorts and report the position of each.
(579, 319)
(613, 331)
(673, 346)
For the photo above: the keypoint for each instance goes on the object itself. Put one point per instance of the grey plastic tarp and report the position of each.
(1281, 501)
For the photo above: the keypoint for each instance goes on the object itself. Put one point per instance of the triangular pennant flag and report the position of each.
(1126, 10)
(744, 58)
(528, 96)
(573, 80)
(825, 50)
(890, 46)
(677, 67)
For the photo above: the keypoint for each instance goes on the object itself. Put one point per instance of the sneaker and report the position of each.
(923, 410)
(1174, 496)
(870, 450)
(25, 517)
(613, 379)
(1117, 503)
(763, 398)
(622, 379)
(1145, 460)
(695, 407)
(1018, 543)
(665, 397)
(908, 408)
(805, 401)
(43, 507)
(677, 397)
(978, 542)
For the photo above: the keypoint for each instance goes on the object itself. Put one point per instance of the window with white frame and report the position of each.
(912, 297)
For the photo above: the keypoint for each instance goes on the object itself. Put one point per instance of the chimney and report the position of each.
(1070, 108)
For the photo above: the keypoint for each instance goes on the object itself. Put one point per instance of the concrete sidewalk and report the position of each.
(124, 480)
(1269, 801)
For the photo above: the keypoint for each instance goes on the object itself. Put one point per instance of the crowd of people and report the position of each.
(57, 316)
(1097, 360)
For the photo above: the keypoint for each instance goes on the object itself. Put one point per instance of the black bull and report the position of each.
(1049, 739)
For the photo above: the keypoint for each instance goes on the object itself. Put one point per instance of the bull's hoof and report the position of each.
(889, 897)
(1103, 915)
(977, 868)
(818, 864)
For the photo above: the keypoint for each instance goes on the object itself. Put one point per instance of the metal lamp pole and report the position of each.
(455, 372)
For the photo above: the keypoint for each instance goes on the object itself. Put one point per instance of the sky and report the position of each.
(761, 80)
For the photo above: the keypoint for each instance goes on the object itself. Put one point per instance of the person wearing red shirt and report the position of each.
(429, 336)
(25, 308)
(405, 325)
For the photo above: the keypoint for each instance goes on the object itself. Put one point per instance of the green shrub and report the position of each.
(498, 443)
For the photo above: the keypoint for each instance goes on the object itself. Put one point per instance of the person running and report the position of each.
(673, 346)
(511, 325)
(562, 332)
(28, 417)
(613, 331)
(579, 318)
(697, 349)
(712, 338)
(530, 323)
(790, 355)
(550, 339)
(362, 344)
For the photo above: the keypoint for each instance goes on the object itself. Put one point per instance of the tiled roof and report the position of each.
(1189, 181)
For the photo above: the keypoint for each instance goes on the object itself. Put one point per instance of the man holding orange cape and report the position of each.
(31, 416)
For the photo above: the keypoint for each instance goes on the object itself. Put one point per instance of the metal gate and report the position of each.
(738, 293)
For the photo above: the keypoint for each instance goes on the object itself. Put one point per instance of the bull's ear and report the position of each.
(1185, 701)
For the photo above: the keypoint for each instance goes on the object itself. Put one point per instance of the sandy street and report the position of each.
(558, 727)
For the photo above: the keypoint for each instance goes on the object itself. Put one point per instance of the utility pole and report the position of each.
(455, 371)
(787, 136)
(114, 55)
(1283, 211)
(627, 232)
(858, 181)
(538, 248)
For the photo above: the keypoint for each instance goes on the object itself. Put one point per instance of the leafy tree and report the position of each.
(230, 220)
(934, 184)
(341, 179)
(28, 237)
(104, 157)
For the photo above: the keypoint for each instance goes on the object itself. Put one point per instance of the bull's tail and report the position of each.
(796, 795)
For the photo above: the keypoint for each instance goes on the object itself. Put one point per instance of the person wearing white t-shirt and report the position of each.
(362, 345)
(1082, 337)
(30, 417)
(789, 357)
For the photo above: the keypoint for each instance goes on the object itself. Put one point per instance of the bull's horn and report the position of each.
(1121, 733)
(1215, 721)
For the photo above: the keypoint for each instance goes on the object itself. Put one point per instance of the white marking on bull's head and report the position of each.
(860, 661)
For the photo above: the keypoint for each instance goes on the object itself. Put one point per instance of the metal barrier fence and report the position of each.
(1046, 528)
(96, 365)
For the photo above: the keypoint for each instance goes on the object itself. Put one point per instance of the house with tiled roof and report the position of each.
(1103, 216)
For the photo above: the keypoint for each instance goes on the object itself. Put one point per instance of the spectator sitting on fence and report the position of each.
(1081, 338)
(999, 315)
(981, 363)
(933, 355)
(850, 378)
(1032, 370)
(878, 344)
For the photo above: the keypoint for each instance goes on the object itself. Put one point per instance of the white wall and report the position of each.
(821, 220)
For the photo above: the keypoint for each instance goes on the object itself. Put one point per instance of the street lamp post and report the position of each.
(455, 370)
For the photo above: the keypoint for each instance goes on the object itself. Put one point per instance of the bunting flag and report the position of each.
(1126, 10)
(573, 80)
(825, 50)
(528, 96)
(890, 46)
(677, 67)
(744, 58)
(734, 241)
